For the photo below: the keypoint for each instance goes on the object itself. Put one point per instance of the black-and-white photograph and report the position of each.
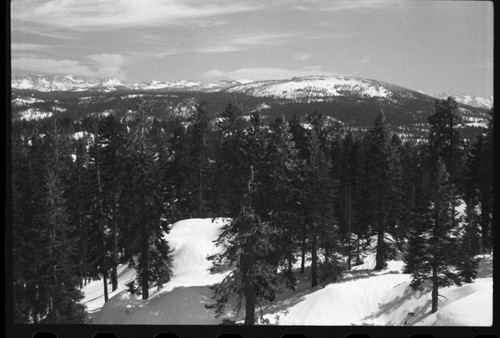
(252, 162)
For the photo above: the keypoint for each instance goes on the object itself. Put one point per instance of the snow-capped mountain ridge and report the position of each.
(474, 101)
(48, 83)
(316, 87)
(69, 82)
(307, 87)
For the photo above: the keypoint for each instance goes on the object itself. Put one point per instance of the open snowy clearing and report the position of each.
(361, 297)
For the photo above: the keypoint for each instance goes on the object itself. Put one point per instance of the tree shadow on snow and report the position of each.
(365, 273)
(413, 316)
(485, 267)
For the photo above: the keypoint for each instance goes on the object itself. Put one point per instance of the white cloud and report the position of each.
(365, 61)
(15, 47)
(240, 43)
(50, 66)
(302, 56)
(101, 65)
(108, 65)
(339, 5)
(265, 73)
(94, 15)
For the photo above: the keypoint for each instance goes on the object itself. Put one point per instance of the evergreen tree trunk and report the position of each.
(249, 283)
(485, 223)
(145, 268)
(114, 272)
(349, 223)
(101, 225)
(358, 251)
(435, 286)
(105, 285)
(303, 255)
(379, 257)
(314, 261)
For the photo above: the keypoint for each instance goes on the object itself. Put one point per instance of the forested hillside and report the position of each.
(94, 192)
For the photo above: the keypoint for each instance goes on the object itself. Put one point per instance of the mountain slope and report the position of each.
(313, 87)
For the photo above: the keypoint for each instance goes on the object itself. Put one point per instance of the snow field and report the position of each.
(182, 299)
(311, 86)
(361, 297)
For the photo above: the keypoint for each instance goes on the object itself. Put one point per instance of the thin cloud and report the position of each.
(302, 56)
(100, 65)
(360, 4)
(39, 65)
(221, 44)
(241, 43)
(104, 14)
(364, 61)
(265, 73)
(17, 47)
(334, 6)
(108, 65)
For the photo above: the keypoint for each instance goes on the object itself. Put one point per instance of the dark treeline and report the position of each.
(91, 194)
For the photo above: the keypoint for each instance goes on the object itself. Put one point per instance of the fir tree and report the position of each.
(145, 210)
(278, 198)
(433, 245)
(245, 238)
(199, 155)
(46, 282)
(378, 158)
(318, 196)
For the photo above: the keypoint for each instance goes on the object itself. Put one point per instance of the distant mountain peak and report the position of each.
(473, 101)
(70, 82)
(314, 87)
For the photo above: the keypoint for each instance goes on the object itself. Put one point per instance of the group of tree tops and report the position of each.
(293, 190)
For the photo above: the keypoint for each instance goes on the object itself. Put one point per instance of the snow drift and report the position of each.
(180, 301)
(361, 297)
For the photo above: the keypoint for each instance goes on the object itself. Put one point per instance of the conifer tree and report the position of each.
(445, 143)
(432, 251)
(46, 282)
(111, 140)
(378, 158)
(245, 238)
(278, 200)
(199, 155)
(467, 264)
(300, 139)
(145, 210)
(318, 199)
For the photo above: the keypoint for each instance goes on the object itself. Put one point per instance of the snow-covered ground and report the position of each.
(361, 297)
(34, 114)
(312, 86)
(180, 301)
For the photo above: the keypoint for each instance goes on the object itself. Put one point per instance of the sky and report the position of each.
(432, 46)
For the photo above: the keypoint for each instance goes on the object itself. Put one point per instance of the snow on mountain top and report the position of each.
(244, 81)
(312, 86)
(473, 101)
